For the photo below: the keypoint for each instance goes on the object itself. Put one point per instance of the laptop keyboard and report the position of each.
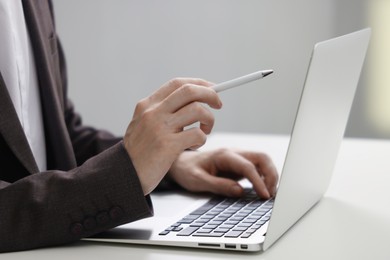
(225, 217)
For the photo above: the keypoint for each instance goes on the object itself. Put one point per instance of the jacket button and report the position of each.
(76, 229)
(102, 218)
(89, 223)
(116, 213)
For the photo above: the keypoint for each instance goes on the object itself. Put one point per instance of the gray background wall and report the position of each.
(119, 51)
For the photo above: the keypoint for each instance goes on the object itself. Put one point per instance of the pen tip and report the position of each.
(267, 72)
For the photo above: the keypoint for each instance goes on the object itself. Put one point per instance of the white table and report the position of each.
(352, 221)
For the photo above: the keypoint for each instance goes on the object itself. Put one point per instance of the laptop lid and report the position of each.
(322, 116)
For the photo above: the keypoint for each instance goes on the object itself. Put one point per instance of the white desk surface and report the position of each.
(352, 221)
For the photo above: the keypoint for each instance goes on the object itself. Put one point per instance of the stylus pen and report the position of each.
(241, 80)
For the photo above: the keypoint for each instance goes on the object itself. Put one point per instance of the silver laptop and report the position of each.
(252, 224)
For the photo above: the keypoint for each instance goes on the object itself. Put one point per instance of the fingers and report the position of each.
(192, 138)
(266, 167)
(235, 163)
(190, 93)
(188, 88)
(165, 90)
(192, 113)
(180, 103)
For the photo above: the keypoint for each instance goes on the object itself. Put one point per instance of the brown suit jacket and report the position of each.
(90, 184)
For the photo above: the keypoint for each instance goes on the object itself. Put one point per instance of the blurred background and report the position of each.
(119, 51)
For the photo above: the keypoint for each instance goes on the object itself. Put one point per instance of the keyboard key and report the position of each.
(204, 230)
(197, 225)
(246, 235)
(188, 231)
(240, 228)
(244, 225)
(226, 226)
(230, 222)
(212, 234)
(251, 230)
(212, 226)
(233, 234)
(177, 229)
(216, 222)
(221, 230)
(249, 220)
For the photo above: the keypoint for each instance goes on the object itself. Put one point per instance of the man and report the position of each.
(60, 180)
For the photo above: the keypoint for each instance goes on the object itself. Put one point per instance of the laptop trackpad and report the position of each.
(171, 204)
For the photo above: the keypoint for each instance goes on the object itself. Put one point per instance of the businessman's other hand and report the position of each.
(218, 171)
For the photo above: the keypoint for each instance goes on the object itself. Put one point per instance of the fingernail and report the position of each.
(219, 104)
(267, 195)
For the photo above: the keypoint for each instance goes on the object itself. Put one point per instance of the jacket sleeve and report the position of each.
(54, 207)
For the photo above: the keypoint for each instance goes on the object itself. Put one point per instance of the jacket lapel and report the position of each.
(12, 131)
(40, 24)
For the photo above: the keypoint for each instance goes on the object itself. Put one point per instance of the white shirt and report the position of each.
(19, 73)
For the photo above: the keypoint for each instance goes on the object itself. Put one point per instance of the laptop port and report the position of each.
(208, 245)
(230, 246)
(244, 246)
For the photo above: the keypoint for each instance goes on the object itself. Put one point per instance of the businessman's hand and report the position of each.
(218, 171)
(157, 135)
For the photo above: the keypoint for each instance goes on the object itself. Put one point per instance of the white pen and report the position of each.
(241, 80)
